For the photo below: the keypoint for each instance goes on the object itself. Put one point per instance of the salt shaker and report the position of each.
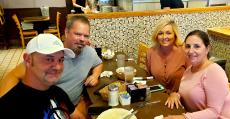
(113, 95)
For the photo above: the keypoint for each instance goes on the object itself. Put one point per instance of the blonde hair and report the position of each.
(164, 22)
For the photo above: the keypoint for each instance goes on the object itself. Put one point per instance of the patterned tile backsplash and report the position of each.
(221, 48)
(124, 34)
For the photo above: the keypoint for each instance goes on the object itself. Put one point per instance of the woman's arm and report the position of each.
(148, 60)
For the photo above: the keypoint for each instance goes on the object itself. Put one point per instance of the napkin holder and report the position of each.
(137, 94)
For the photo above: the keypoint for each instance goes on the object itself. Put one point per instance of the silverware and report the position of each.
(143, 78)
(143, 104)
(128, 59)
(130, 115)
(153, 102)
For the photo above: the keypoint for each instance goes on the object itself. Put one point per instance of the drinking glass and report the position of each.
(129, 74)
(120, 60)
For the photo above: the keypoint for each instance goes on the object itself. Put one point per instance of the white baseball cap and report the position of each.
(47, 44)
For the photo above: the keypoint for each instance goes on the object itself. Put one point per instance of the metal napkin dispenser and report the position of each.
(137, 93)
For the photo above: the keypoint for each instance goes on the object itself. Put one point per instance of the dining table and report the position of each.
(35, 19)
(154, 107)
(40, 23)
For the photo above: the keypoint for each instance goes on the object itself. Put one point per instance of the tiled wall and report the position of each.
(124, 34)
(9, 59)
(221, 48)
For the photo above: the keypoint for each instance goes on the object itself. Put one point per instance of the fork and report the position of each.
(130, 115)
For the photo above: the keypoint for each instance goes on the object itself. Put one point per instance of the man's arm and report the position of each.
(11, 79)
(92, 79)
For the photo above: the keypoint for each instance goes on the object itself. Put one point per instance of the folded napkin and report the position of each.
(159, 117)
(138, 81)
(106, 74)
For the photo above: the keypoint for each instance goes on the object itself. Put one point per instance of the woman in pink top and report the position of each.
(166, 60)
(204, 90)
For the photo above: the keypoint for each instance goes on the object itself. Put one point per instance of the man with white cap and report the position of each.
(36, 96)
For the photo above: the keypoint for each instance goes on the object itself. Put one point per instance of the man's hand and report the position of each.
(91, 81)
(172, 100)
(88, 42)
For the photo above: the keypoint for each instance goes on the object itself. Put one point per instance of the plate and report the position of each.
(107, 53)
(115, 113)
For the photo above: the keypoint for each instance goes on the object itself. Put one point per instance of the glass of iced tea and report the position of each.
(129, 74)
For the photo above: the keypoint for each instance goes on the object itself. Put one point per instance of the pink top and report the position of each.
(168, 71)
(205, 94)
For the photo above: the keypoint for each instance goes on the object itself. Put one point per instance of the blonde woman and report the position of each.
(166, 59)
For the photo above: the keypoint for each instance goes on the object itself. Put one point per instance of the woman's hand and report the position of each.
(83, 9)
(86, 9)
(172, 100)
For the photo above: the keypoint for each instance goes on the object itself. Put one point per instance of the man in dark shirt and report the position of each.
(36, 96)
(170, 4)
